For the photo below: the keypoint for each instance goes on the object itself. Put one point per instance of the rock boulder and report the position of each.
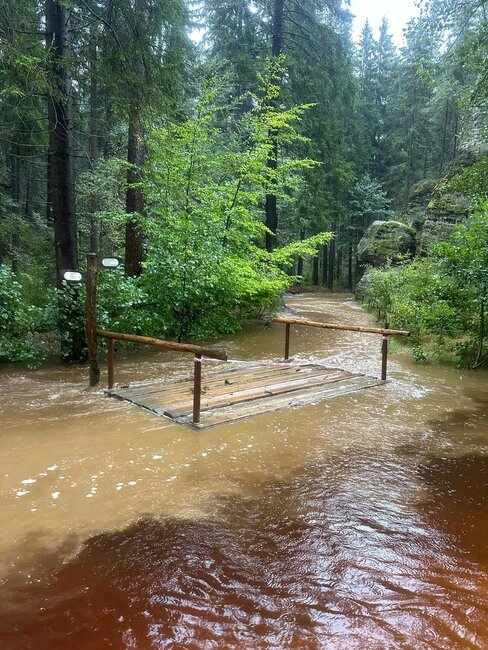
(386, 241)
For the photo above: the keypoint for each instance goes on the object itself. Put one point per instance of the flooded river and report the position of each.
(357, 523)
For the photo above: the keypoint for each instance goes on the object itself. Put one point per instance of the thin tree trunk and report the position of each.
(27, 200)
(134, 199)
(15, 193)
(324, 265)
(338, 262)
(330, 278)
(444, 138)
(315, 271)
(349, 267)
(409, 161)
(300, 259)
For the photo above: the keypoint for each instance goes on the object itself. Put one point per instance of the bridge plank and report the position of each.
(238, 393)
(248, 383)
(288, 401)
(240, 375)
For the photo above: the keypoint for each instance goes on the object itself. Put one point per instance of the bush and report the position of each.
(17, 341)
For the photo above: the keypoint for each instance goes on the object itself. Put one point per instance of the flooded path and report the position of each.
(357, 523)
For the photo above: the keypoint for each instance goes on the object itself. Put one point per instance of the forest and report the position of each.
(227, 150)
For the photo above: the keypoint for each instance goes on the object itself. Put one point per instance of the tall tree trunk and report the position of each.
(94, 230)
(300, 259)
(134, 202)
(300, 266)
(330, 274)
(15, 193)
(60, 190)
(60, 178)
(409, 165)
(324, 265)
(413, 120)
(271, 203)
(349, 267)
(455, 137)
(315, 271)
(134, 198)
(444, 139)
(338, 262)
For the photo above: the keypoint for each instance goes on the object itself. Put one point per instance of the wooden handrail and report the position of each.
(349, 328)
(167, 345)
(196, 350)
(385, 333)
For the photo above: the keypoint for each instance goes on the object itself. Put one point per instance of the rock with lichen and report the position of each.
(386, 241)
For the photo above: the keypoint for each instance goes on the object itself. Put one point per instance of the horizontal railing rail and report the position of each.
(197, 350)
(384, 332)
(167, 345)
(349, 328)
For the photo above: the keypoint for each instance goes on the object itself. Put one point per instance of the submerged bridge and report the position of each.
(247, 388)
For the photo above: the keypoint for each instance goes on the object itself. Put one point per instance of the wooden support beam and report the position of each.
(110, 362)
(348, 328)
(197, 388)
(384, 357)
(287, 341)
(167, 345)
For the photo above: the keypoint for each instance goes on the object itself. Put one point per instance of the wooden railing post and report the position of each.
(91, 318)
(384, 356)
(110, 362)
(197, 387)
(287, 341)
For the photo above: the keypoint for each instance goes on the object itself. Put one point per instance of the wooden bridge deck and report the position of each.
(230, 395)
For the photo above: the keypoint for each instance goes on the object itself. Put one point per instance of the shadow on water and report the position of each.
(287, 564)
(458, 485)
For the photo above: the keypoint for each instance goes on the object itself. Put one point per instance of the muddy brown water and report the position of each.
(361, 522)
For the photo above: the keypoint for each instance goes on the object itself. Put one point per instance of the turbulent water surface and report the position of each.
(361, 522)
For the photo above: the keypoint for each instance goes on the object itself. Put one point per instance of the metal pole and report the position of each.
(287, 341)
(110, 362)
(384, 357)
(197, 387)
(91, 318)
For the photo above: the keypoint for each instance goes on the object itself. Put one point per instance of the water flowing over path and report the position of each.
(357, 523)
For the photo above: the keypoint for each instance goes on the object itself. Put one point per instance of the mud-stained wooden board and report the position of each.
(236, 393)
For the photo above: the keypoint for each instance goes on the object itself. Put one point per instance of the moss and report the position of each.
(423, 188)
(432, 232)
(450, 204)
(386, 240)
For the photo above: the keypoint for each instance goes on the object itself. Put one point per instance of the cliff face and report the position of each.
(432, 214)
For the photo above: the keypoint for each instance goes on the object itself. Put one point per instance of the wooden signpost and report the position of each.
(91, 318)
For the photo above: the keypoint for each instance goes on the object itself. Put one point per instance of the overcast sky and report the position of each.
(398, 13)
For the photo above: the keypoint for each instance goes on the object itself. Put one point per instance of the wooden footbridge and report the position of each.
(244, 390)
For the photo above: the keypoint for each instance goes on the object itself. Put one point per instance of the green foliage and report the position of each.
(123, 304)
(471, 181)
(367, 203)
(206, 269)
(17, 342)
(64, 314)
(440, 299)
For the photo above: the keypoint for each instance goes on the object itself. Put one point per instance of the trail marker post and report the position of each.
(91, 318)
